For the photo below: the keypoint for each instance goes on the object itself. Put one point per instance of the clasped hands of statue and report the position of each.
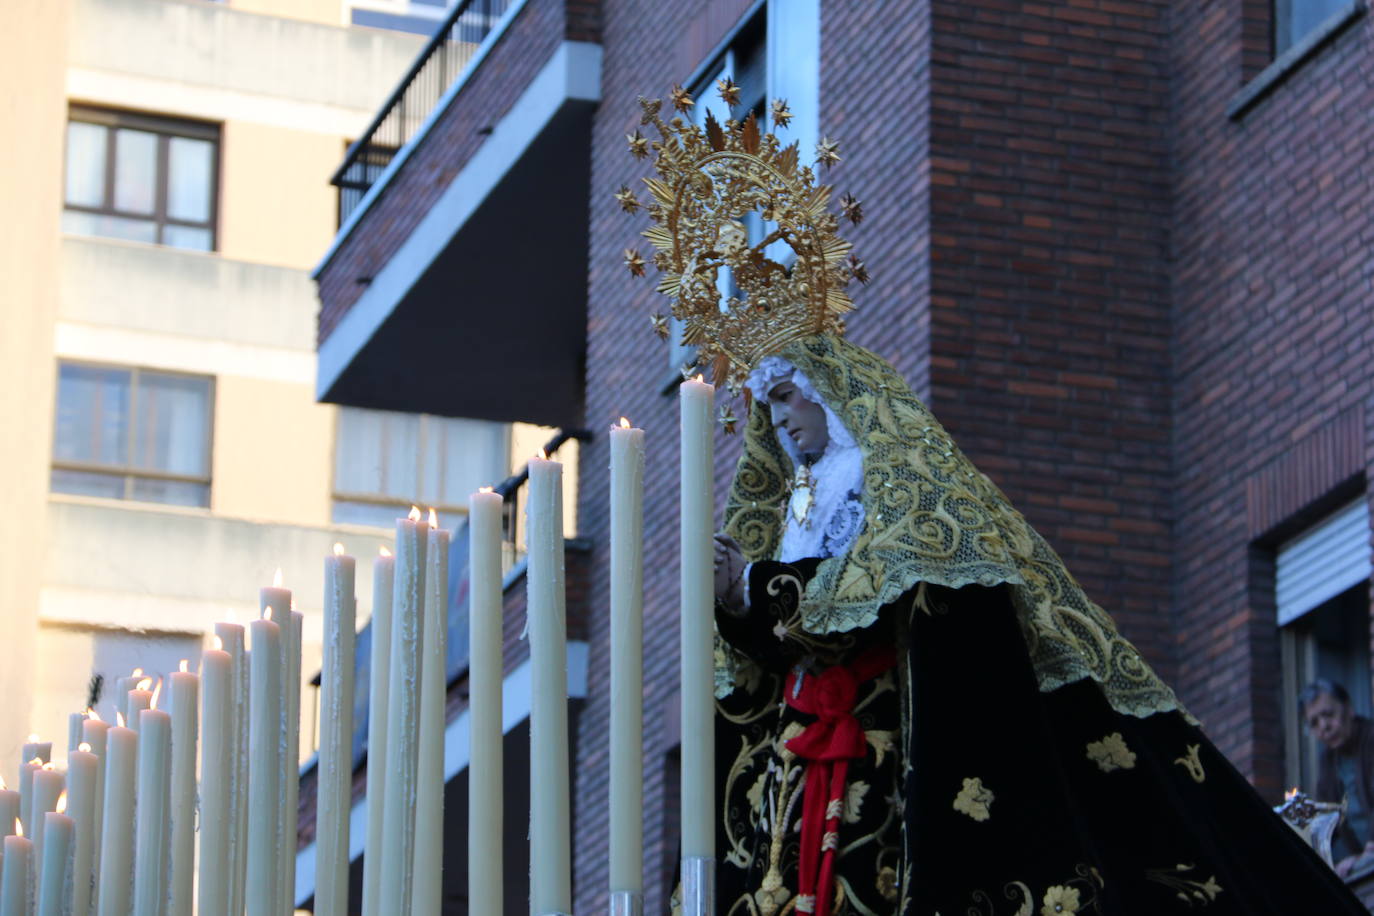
(730, 575)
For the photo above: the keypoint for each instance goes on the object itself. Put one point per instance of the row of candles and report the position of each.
(139, 781)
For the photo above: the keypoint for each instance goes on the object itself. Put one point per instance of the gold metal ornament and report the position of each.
(712, 181)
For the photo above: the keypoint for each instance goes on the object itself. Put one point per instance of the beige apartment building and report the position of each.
(166, 195)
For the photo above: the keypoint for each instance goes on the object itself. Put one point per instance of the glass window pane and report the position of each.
(376, 454)
(92, 415)
(86, 163)
(135, 187)
(171, 492)
(190, 173)
(173, 424)
(86, 483)
(186, 237)
(110, 227)
(347, 512)
(460, 456)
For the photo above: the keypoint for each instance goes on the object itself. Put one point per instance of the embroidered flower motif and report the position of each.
(887, 883)
(755, 793)
(1111, 753)
(974, 799)
(1061, 899)
(854, 801)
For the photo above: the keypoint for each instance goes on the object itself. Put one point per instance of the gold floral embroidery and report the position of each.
(1192, 762)
(1189, 890)
(1061, 899)
(1111, 753)
(854, 801)
(974, 799)
(887, 882)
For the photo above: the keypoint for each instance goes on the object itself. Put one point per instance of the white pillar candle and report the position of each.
(265, 753)
(550, 835)
(335, 768)
(121, 694)
(135, 702)
(48, 784)
(26, 771)
(83, 769)
(231, 643)
(429, 771)
(383, 581)
(697, 633)
(94, 731)
(184, 690)
(216, 781)
(291, 766)
(115, 894)
(56, 855)
(627, 660)
(275, 603)
(403, 716)
(485, 827)
(74, 722)
(153, 836)
(14, 880)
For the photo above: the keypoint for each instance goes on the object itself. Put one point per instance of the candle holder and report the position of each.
(627, 903)
(698, 886)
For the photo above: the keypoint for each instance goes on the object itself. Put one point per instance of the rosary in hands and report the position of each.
(729, 582)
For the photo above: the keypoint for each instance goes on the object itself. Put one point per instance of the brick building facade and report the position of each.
(1123, 252)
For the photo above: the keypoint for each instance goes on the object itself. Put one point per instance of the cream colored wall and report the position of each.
(330, 12)
(273, 453)
(32, 56)
(277, 206)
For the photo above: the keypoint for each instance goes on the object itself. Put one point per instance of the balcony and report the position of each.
(486, 137)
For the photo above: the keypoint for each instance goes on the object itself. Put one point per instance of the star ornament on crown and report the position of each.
(709, 179)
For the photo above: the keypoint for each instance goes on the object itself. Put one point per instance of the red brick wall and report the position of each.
(1273, 329)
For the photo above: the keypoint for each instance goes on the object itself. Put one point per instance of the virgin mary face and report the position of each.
(802, 419)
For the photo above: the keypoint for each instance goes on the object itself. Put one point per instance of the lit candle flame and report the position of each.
(624, 423)
(543, 455)
(1290, 794)
(94, 715)
(83, 747)
(184, 669)
(157, 691)
(276, 578)
(433, 518)
(36, 762)
(62, 802)
(49, 766)
(383, 552)
(216, 643)
(144, 684)
(119, 719)
(414, 515)
(699, 378)
(486, 490)
(2, 783)
(338, 549)
(138, 672)
(18, 827)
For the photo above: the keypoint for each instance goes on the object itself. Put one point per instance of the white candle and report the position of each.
(184, 689)
(137, 700)
(57, 850)
(14, 881)
(275, 603)
(291, 767)
(121, 695)
(83, 770)
(697, 634)
(94, 731)
(231, 642)
(383, 581)
(75, 721)
(216, 781)
(153, 836)
(485, 828)
(429, 771)
(627, 661)
(48, 783)
(335, 768)
(265, 754)
(117, 823)
(26, 771)
(35, 748)
(550, 837)
(403, 717)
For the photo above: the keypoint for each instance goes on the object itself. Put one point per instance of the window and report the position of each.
(385, 462)
(1322, 592)
(1293, 19)
(132, 434)
(772, 55)
(141, 178)
(419, 16)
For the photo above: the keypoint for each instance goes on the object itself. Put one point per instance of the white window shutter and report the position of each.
(1323, 561)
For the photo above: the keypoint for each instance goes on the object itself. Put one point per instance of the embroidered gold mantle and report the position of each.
(931, 517)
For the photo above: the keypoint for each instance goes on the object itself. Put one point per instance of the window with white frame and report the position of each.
(130, 433)
(1294, 19)
(772, 55)
(142, 178)
(385, 462)
(1322, 595)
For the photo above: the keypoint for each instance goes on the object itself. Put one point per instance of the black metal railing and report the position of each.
(441, 62)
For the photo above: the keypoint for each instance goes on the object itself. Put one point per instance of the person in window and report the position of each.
(920, 711)
(1345, 767)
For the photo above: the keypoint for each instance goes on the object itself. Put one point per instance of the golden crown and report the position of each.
(710, 180)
